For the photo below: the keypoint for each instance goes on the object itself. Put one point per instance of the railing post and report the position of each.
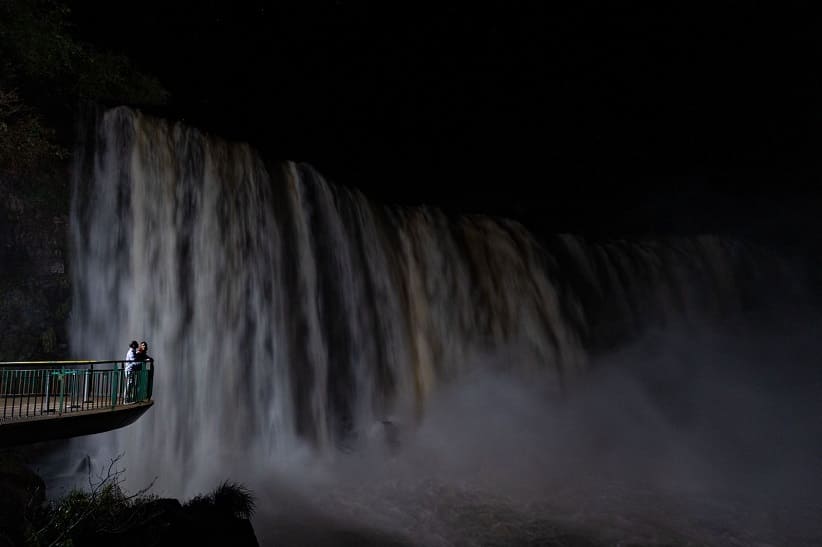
(150, 382)
(47, 403)
(5, 384)
(62, 390)
(115, 383)
(29, 384)
(89, 376)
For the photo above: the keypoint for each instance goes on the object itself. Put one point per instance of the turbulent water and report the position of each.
(301, 330)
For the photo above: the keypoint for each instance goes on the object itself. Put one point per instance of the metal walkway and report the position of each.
(47, 400)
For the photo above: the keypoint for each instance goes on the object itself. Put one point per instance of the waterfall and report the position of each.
(288, 315)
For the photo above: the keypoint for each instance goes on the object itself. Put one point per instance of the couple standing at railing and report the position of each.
(135, 357)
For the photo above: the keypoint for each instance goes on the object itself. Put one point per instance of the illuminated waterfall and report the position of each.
(287, 314)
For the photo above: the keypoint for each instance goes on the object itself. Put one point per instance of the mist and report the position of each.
(706, 436)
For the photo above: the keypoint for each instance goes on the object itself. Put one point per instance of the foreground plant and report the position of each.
(106, 513)
(104, 509)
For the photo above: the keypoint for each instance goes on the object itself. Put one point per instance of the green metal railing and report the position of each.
(42, 388)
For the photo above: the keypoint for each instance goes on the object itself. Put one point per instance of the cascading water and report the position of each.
(289, 316)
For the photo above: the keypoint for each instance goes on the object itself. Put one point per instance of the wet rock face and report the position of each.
(35, 295)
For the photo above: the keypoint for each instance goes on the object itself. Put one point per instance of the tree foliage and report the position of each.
(40, 53)
(46, 73)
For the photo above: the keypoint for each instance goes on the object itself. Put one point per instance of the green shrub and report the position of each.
(227, 499)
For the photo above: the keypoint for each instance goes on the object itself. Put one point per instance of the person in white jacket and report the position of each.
(131, 355)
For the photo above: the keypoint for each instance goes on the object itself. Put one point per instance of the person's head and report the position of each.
(133, 344)
(144, 346)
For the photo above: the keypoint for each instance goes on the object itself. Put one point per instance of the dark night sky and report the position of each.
(580, 117)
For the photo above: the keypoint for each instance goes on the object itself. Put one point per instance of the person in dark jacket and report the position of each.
(143, 356)
(142, 352)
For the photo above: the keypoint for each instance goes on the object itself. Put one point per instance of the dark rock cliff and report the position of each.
(35, 295)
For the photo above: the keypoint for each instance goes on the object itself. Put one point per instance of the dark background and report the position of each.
(592, 118)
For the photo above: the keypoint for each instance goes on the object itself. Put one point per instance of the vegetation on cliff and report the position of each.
(46, 74)
(47, 78)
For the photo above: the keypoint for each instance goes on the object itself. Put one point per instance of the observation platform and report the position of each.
(48, 400)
